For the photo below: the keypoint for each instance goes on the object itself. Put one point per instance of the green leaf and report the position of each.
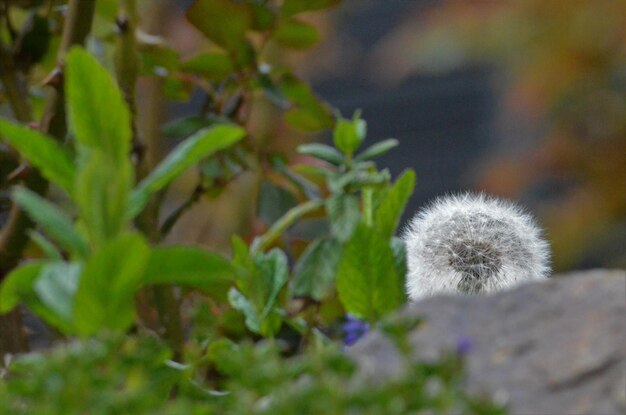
(214, 66)
(54, 222)
(18, 283)
(46, 246)
(322, 152)
(56, 287)
(343, 211)
(109, 280)
(349, 134)
(387, 216)
(377, 149)
(295, 34)
(367, 280)
(241, 303)
(225, 22)
(42, 152)
(188, 153)
(97, 110)
(273, 202)
(102, 194)
(187, 266)
(260, 281)
(274, 273)
(309, 113)
(291, 7)
(47, 288)
(314, 274)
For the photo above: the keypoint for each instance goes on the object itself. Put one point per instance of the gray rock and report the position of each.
(555, 347)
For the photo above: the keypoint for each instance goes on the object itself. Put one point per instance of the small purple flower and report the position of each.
(464, 345)
(353, 330)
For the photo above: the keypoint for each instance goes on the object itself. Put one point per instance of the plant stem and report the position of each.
(281, 225)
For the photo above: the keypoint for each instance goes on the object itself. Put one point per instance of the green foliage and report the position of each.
(42, 152)
(200, 145)
(322, 245)
(135, 374)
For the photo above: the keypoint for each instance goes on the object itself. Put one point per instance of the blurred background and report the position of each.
(524, 99)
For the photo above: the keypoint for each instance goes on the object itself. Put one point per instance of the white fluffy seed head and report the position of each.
(472, 244)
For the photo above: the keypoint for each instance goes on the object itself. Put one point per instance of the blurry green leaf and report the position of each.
(274, 273)
(213, 66)
(42, 152)
(56, 287)
(225, 22)
(54, 222)
(19, 283)
(343, 211)
(187, 266)
(263, 16)
(309, 113)
(47, 247)
(387, 216)
(349, 134)
(260, 281)
(109, 280)
(184, 127)
(241, 303)
(377, 149)
(188, 153)
(273, 202)
(97, 110)
(291, 7)
(322, 152)
(314, 274)
(296, 34)
(367, 281)
(307, 121)
(102, 192)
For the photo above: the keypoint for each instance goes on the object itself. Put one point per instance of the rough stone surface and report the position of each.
(556, 347)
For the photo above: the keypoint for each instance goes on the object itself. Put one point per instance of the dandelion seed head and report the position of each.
(472, 244)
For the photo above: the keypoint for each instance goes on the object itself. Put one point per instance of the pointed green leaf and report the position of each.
(377, 149)
(56, 287)
(367, 281)
(241, 303)
(188, 153)
(54, 222)
(109, 280)
(322, 152)
(187, 266)
(42, 152)
(349, 134)
(102, 195)
(97, 110)
(388, 214)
